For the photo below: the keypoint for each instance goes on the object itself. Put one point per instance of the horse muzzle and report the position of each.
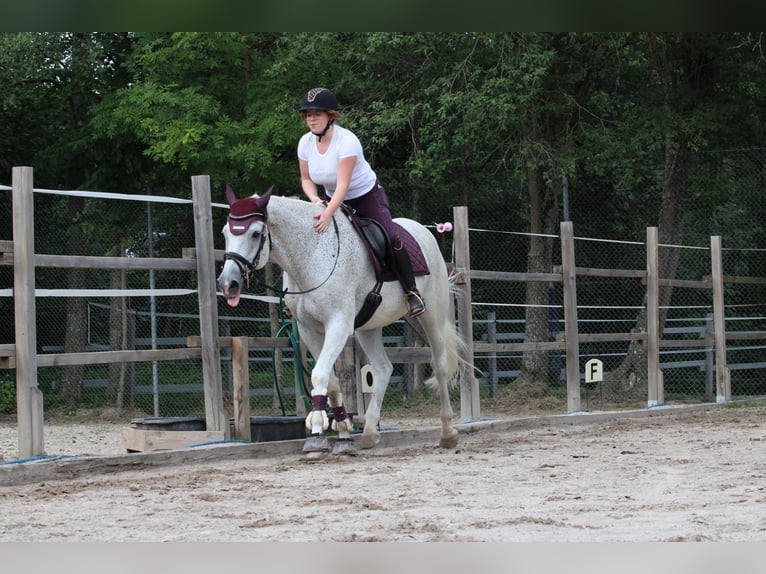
(231, 290)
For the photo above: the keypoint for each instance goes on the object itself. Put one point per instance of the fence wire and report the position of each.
(158, 309)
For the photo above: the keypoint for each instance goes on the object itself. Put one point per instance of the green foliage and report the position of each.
(7, 396)
(447, 118)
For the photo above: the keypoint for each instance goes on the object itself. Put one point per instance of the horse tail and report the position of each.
(455, 346)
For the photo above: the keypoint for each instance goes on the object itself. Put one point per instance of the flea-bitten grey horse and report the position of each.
(326, 280)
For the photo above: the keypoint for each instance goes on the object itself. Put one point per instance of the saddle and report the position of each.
(379, 248)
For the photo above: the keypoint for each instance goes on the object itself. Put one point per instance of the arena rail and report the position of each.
(22, 355)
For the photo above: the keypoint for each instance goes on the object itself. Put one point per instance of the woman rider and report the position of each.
(331, 156)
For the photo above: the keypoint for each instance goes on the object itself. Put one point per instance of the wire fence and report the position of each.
(102, 309)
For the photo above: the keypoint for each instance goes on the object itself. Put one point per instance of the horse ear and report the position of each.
(230, 195)
(263, 200)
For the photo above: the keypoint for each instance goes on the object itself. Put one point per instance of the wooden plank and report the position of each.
(8, 350)
(6, 246)
(655, 392)
(470, 405)
(686, 343)
(737, 279)
(241, 384)
(141, 440)
(604, 337)
(515, 276)
(409, 354)
(29, 398)
(252, 342)
(215, 417)
(134, 263)
(600, 272)
(127, 356)
(745, 335)
(570, 316)
(723, 387)
(481, 348)
(191, 253)
(97, 262)
(686, 283)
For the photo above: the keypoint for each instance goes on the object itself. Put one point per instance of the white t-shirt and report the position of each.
(323, 168)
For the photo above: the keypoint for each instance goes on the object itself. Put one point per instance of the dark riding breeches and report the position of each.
(374, 204)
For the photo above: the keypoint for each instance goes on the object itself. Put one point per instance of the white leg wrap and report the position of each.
(345, 426)
(317, 421)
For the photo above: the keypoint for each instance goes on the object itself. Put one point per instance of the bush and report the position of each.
(7, 397)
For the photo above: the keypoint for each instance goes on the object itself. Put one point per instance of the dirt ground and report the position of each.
(690, 476)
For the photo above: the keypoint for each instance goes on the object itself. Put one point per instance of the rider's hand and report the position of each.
(322, 223)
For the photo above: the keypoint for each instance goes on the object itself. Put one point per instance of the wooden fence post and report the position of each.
(722, 373)
(215, 417)
(29, 398)
(655, 391)
(241, 388)
(568, 276)
(492, 338)
(470, 404)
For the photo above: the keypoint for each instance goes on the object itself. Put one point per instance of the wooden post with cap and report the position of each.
(215, 417)
(29, 398)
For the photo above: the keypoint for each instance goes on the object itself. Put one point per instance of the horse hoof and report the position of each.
(316, 443)
(345, 446)
(370, 440)
(449, 441)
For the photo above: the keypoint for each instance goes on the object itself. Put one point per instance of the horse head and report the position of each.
(245, 233)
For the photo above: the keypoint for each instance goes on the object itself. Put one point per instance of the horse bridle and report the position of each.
(246, 268)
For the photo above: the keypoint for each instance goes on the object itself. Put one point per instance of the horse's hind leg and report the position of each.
(449, 434)
(443, 341)
(372, 345)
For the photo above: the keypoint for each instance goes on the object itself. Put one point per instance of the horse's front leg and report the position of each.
(341, 422)
(322, 381)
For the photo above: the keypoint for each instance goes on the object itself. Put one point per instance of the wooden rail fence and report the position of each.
(23, 357)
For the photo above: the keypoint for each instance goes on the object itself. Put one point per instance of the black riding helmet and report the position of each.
(319, 99)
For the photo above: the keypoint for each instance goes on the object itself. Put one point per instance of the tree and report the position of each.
(685, 83)
(53, 80)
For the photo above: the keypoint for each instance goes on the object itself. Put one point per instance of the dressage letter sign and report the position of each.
(594, 371)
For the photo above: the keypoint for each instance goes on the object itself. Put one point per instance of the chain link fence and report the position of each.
(159, 310)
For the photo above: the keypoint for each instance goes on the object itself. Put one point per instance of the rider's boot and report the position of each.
(407, 278)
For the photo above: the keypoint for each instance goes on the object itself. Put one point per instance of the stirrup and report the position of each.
(416, 304)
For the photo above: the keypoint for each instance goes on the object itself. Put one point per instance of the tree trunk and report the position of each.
(628, 382)
(542, 208)
(76, 331)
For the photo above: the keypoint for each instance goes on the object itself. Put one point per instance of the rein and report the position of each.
(246, 268)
